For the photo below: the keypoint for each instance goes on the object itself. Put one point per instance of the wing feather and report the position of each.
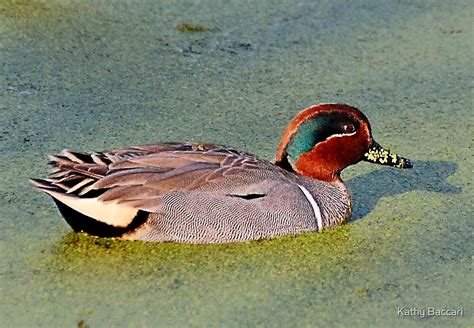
(139, 176)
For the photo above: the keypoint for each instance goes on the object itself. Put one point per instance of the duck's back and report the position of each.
(189, 193)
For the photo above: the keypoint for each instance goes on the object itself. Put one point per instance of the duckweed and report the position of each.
(191, 27)
(93, 75)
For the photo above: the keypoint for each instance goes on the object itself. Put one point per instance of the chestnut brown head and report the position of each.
(323, 140)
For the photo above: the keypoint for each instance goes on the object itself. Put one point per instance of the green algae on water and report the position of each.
(91, 75)
(191, 27)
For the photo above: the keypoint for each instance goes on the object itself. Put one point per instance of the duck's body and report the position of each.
(201, 193)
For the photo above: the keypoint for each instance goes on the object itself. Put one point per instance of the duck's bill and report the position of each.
(378, 155)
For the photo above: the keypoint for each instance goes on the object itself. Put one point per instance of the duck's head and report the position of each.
(323, 140)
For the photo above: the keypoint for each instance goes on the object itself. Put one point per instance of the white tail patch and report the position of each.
(314, 205)
(111, 213)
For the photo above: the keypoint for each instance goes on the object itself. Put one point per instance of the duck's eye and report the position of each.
(348, 128)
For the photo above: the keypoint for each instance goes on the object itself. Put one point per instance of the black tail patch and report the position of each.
(83, 223)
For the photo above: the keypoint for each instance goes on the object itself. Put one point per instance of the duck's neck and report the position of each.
(309, 166)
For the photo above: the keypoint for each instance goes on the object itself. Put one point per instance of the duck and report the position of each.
(205, 193)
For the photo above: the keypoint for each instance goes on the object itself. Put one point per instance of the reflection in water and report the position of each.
(366, 190)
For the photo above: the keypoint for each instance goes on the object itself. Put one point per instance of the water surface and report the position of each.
(91, 75)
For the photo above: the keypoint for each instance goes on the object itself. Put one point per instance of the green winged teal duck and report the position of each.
(204, 193)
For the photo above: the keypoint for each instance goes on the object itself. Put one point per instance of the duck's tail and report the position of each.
(71, 185)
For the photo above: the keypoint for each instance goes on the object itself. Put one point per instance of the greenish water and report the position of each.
(91, 75)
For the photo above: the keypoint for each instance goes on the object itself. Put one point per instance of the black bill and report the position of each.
(377, 154)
